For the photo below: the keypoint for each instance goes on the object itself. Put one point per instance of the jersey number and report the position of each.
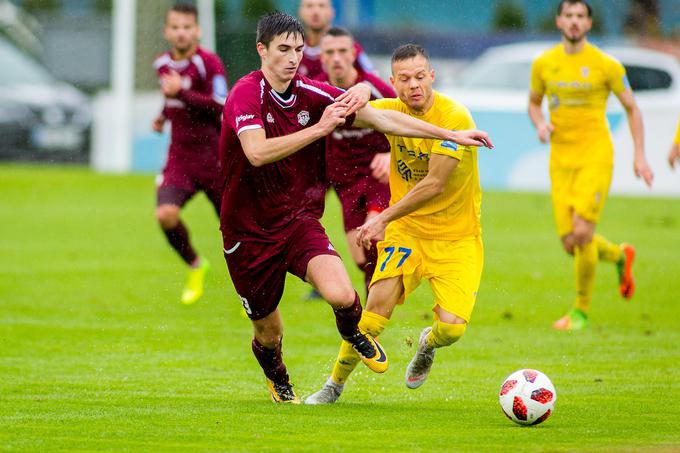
(390, 251)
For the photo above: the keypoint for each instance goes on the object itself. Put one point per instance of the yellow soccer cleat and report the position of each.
(193, 290)
(282, 392)
(370, 351)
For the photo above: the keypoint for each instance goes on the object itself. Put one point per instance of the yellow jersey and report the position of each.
(455, 213)
(577, 87)
(676, 140)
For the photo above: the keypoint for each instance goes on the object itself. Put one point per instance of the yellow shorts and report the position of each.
(454, 268)
(580, 190)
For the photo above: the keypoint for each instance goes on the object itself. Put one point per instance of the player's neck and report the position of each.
(347, 82)
(313, 37)
(426, 108)
(182, 55)
(574, 47)
(280, 86)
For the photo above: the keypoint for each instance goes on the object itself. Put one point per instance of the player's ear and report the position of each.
(261, 49)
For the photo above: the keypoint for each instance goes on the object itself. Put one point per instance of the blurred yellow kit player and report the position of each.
(577, 79)
(674, 153)
(432, 227)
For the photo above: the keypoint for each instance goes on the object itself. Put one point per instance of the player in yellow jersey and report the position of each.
(431, 229)
(577, 79)
(674, 154)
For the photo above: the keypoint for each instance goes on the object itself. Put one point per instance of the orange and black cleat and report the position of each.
(625, 269)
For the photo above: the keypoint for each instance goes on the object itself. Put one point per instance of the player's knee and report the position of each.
(268, 337)
(445, 334)
(582, 236)
(167, 216)
(341, 296)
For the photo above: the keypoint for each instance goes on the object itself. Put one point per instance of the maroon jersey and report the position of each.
(260, 203)
(350, 150)
(194, 113)
(310, 66)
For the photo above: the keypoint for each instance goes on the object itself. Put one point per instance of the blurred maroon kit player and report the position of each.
(357, 159)
(273, 156)
(195, 88)
(317, 16)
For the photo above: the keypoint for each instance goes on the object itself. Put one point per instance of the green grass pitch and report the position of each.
(96, 353)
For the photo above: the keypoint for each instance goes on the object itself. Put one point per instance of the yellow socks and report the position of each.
(348, 358)
(585, 260)
(444, 334)
(607, 251)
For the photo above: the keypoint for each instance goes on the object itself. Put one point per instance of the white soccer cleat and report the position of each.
(329, 393)
(421, 363)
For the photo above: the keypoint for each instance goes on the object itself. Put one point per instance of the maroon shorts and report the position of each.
(258, 269)
(357, 199)
(182, 178)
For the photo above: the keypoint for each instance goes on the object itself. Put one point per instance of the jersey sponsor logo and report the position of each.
(416, 154)
(303, 117)
(404, 170)
(270, 118)
(450, 145)
(245, 117)
(351, 134)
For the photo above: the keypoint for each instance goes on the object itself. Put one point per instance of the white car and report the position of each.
(495, 88)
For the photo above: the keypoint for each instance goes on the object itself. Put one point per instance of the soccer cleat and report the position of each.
(574, 320)
(329, 393)
(370, 351)
(625, 270)
(282, 392)
(421, 363)
(193, 290)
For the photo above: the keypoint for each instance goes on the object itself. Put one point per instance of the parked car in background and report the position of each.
(495, 88)
(40, 117)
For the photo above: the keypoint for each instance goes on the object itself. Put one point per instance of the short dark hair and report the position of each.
(336, 32)
(183, 8)
(408, 51)
(574, 2)
(277, 23)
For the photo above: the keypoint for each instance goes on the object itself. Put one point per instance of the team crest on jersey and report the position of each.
(585, 71)
(270, 118)
(303, 117)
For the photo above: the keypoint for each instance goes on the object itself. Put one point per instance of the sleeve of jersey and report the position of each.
(213, 97)
(536, 83)
(243, 109)
(385, 104)
(456, 120)
(618, 81)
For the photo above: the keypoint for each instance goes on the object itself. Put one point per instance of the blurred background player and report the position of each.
(357, 160)
(317, 16)
(431, 230)
(674, 153)
(273, 152)
(577, 78)
(195, 88)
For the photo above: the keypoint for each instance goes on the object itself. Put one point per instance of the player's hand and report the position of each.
(171, 84)
(157, 124)
(380, 167)
(674, 156)
(544, 130)
(471, 137)
(372, 230)
(356, 97)
(333, 116)
(643, 170)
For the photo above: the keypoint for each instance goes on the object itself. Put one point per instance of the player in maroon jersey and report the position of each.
(273, 159)
(195, 88)
(357, 160)
(317, 16)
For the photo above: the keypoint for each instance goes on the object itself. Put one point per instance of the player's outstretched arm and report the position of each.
(261, 150)
(396, 123)
(640, 165)
(432, 185)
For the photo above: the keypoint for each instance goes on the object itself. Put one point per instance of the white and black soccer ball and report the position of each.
(527, 397)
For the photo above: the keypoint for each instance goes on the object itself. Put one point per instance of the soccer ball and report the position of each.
(527, 397)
